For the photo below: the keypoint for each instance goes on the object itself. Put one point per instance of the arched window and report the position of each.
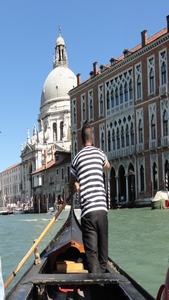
(121, 94)
(54, 132)
(130, 90)
(132, 133)
(163, 73)
(101, 105)
(61, 130)
(140, 132)
(165, 124)
(153, 128)
(113, 140)
(122, 137)
(151, 81)
(102, 140)
(109, 141)
(155, 177)
(112, 98)
(108, 100)
(126, 92)
(139, 86)
(75, 147)
(118, 138)
(117, 96)
(142, 178)
(127, 135)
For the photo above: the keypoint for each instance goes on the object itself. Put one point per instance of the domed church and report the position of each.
(49, 145)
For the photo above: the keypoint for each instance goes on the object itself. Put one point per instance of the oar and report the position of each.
(28, 254)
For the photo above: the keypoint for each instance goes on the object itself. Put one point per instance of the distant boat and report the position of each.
(18, 210)
(4, 211)
(161, 200)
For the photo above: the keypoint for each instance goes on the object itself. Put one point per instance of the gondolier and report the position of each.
(87, 176)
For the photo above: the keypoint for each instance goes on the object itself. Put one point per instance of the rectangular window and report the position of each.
(83, 108)
(62, 173)
(90, 105)
(74, 112)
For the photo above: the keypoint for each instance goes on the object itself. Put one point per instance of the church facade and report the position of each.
(46, 154)
(127, 103)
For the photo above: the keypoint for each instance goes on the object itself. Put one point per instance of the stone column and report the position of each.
(117, 189)
(39, 204)
(127, 192)
(47, 203)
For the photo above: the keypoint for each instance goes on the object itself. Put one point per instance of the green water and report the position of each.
(138, 242)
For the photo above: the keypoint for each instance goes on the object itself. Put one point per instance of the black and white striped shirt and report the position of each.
(87, 167)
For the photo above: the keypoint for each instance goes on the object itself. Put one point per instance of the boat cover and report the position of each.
(70, 231)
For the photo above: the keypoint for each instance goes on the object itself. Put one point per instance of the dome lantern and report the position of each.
(60, 58)
(61, 79)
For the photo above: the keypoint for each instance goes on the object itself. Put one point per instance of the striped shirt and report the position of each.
(87, 167)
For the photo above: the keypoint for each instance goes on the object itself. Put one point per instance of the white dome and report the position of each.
(58, 83)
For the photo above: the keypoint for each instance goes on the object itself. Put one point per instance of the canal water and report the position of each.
(138, 242)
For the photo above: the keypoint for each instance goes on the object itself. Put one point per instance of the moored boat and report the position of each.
(4, 212)
(62, 274)
(160, 200)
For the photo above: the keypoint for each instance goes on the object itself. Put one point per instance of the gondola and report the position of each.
(62, 274)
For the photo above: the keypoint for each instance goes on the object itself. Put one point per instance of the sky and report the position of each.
(93, 31)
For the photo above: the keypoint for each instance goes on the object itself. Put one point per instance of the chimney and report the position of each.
(95, 68)
(78, 78)
(102, 68)
(167, 23)
(91, 74)
(126, 52)
(113, 60)
(144, 38)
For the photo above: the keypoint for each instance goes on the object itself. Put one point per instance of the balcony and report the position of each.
(163, 90)
(140, 147)
(153, 144)
(165, 141)
(121, 152)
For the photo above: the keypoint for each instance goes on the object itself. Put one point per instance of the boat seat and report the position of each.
(68, 266)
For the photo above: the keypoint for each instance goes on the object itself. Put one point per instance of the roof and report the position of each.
(149, 40)
(11, 167)
(50, 164)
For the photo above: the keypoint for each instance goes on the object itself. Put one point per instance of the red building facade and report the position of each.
(127, 103)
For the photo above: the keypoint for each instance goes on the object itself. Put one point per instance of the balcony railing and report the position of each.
(140, 147)
(153, 144)
(121, 152)
(165, 141)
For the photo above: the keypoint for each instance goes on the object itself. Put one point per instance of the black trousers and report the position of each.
(95, 239)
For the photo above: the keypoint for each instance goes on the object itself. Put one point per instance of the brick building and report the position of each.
(127, 102)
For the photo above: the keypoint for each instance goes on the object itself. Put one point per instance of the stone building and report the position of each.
(51, 182)
(53, 131)
(127, 102)
(10, 185)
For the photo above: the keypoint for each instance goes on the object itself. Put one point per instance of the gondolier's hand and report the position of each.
(107, 165)
(77, 186)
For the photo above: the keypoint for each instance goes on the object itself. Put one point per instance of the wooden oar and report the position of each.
(28, 254)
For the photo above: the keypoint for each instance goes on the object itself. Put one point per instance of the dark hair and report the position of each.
(87, 133)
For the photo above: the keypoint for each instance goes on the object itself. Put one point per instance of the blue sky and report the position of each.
(93, 31)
